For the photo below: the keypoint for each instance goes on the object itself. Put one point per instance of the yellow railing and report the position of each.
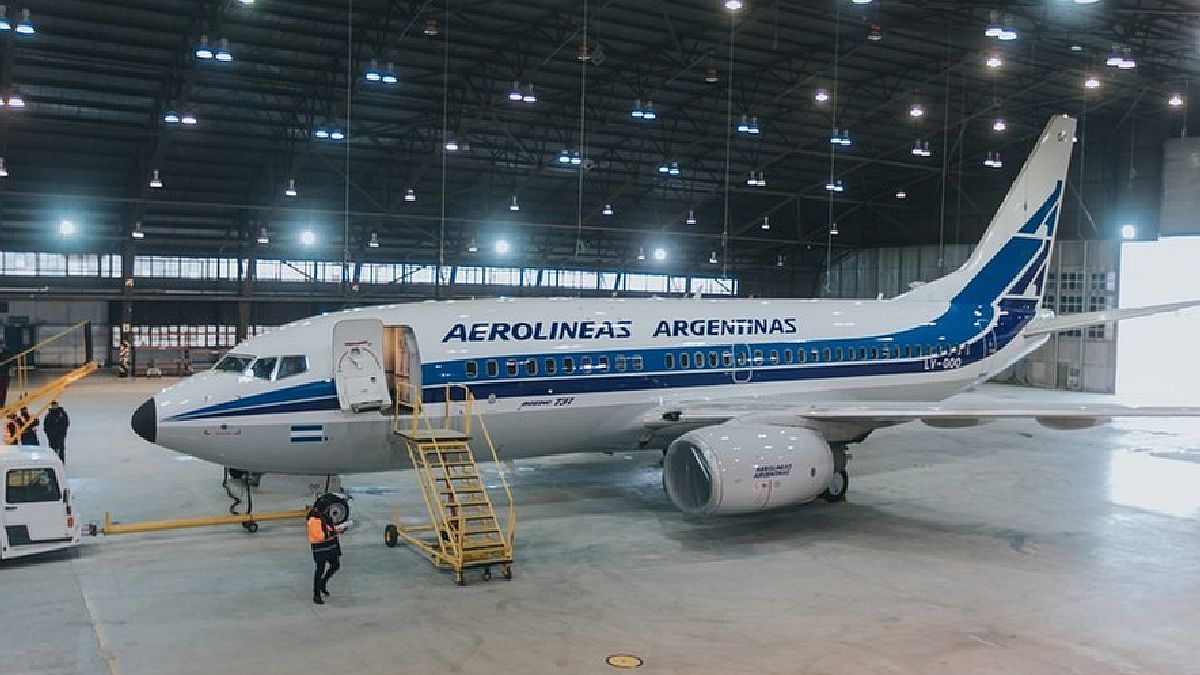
(38, 399)
(460, 415)
(20, 360)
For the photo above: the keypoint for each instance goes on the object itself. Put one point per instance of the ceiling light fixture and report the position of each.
(4, 22)
(921, 149)
(472, 246)
(66, 228)
(337, 135)
(1175, 100)
(373, 73)
(431, 26)
(223, 54)
(529, 96)
(308, 238)
(733, 5)
(515, 94)
(999, 124)
(262, 236)
(779, 261)
(766, 223)
(389, 75)
(648, 114)
(1128, 231)
(410, 195)
(155, 181)
(171, 117)
(835, 186)
(833, 229)
(451, 145)
(513, 205)
(875, 32)
(690, 220)
(901, 194)
(3, 169)
(710, 75)
(607, 210)
(841, 137)
(660, 254)
(917, 110)
(291, 188)
(203, 51)
(25, 25)
(137, 233)
(502, 246)
(821, 95)
(373, 242)
(641, 253)
(1091, 82)
(994, 61)
(712, 258)
(188, 118)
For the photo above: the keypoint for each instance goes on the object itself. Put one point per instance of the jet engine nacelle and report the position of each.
(738, 468)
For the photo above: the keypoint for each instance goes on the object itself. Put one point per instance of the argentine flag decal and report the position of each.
(308, 433)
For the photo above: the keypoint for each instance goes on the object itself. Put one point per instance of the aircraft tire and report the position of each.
(839, 485)
(391, 536)
(337, 507)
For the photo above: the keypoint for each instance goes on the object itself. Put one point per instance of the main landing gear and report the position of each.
(839, 483)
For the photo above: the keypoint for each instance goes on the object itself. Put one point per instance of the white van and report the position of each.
(37, 514)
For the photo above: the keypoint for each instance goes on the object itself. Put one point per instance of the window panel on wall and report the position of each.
(51, 264)
(502, 276)
(83, 265)
(472, 276)
(20, 264)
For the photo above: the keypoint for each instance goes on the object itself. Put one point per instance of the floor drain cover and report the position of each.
(624, 661)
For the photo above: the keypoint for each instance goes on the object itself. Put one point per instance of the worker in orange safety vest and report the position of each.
(323, 538)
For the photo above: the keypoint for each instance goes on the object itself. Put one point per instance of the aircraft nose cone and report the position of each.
(143, 421)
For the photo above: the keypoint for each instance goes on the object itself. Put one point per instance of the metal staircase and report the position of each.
(464, 530)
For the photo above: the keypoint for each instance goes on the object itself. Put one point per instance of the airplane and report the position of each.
(754, 400)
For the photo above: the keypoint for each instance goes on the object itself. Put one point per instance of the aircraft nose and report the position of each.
(143, 421)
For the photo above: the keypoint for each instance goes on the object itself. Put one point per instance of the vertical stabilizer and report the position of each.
(1011, 257)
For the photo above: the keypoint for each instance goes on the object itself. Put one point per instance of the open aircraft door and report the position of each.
(358, 365)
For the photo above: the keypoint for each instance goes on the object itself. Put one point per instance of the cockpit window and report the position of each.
(263, 367)
(291, 365)
(233, 363)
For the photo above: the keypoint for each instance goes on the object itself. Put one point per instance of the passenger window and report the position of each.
(293, 365)
(727, 359)
(472, 369)
(510, 367)
(602, 364)
(875, 353)
(802, 355)
(862, 353)
(907, 351)
(741, 359)
(637, 363)
(713, 360)
(698, 360)
(839, 353)
(774, 356)
(263, 368)
(620, 361)
(787, 355)
(531, 367)
(669, 361)
(23, 486)
(568, 364)
(492, 369)
(551, 366)
(685, 361)
(585, 364)
(827, 354)
(758, 357)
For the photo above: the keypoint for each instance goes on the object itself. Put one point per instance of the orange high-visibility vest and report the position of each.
(317, 533)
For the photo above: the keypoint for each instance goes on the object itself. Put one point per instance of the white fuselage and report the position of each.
(914, 351)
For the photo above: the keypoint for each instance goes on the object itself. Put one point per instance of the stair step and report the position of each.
(461, 491)
(483, 545)
(431, 435)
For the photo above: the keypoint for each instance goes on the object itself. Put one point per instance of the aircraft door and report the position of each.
(402, 360)
(743, 364)
(35, 508)
(358, 365)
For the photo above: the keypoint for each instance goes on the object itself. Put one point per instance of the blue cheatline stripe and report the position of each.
(308, 439)
(307, 427)
(1017, 311)
(309, 405)
(317, 389)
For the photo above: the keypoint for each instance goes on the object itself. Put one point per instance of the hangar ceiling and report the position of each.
(99, 80)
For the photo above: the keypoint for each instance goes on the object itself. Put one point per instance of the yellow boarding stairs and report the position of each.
(464, 530)
(37, 400)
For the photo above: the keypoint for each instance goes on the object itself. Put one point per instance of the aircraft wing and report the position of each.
(1052, 324)
(846, 421)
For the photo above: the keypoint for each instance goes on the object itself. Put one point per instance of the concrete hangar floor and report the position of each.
(1008, 548)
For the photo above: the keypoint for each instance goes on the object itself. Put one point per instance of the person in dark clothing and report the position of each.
(326, 551)
(29, 435)
(55, 425)
(6, 366)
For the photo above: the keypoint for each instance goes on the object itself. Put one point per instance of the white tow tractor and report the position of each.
(38, 516)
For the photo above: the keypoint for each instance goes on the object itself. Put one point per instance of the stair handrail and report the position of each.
(470, 411)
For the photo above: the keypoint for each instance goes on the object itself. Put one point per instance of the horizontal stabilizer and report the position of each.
(1053, 324)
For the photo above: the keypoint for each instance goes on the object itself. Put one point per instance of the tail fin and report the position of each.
(1011, 257)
